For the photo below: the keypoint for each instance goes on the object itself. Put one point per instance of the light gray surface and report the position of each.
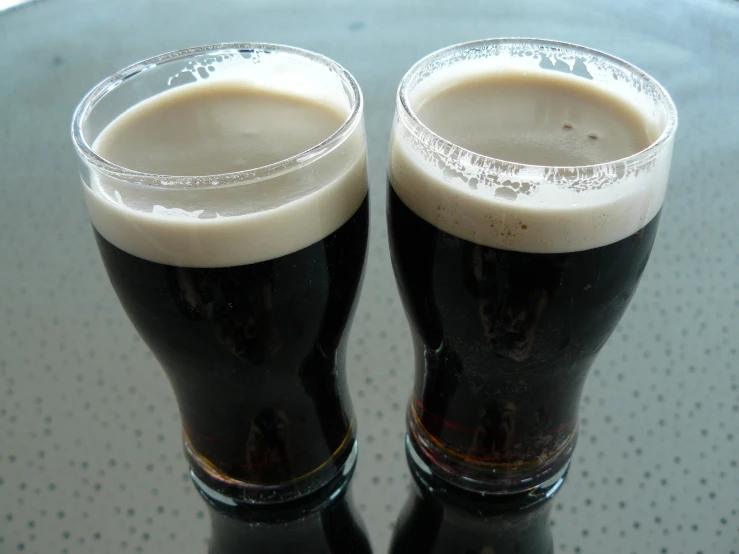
(90, 456)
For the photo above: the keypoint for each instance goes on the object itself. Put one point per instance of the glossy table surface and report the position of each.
(90, 454)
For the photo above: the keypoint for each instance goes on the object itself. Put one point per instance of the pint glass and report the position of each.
(525, 185)
(227, 189)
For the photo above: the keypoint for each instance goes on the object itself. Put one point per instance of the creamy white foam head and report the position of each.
(505, 149)
(245, 114)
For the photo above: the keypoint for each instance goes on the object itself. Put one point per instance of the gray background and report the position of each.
(90, 456)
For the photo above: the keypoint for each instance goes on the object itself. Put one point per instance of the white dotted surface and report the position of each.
(90, 453)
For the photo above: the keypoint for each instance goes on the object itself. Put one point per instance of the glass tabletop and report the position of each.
(90, 444)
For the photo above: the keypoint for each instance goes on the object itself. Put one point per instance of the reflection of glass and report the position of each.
(443, 519)
(513, 274)
(242, 282)
(325, 522)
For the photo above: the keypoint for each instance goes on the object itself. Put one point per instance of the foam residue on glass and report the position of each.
(523, 207)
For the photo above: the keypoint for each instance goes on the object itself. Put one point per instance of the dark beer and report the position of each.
(522, 208)
(254, 352)
(325, 522)
(240, 274)
(512, 335)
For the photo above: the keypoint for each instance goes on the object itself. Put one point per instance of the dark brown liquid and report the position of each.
(255, 353)
(503, 339)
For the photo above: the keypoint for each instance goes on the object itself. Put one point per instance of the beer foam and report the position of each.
(202, 220)
(518, 206)
(185, 238)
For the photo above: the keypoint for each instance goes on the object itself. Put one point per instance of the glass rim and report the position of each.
(221, 180)
(409, 118)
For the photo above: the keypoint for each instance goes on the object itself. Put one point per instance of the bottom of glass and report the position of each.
(221, 489)
(464, 520)
(533, 482)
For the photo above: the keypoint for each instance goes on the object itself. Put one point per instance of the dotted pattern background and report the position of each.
(90, 455)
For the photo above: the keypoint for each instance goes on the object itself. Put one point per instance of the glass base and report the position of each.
(467, 521)
(542, 480)
(220, 489)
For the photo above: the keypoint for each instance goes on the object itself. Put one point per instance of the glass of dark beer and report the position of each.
(525, 184)
(227, 189)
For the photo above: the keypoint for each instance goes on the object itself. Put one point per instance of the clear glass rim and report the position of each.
(410, 119)
(97, 93)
